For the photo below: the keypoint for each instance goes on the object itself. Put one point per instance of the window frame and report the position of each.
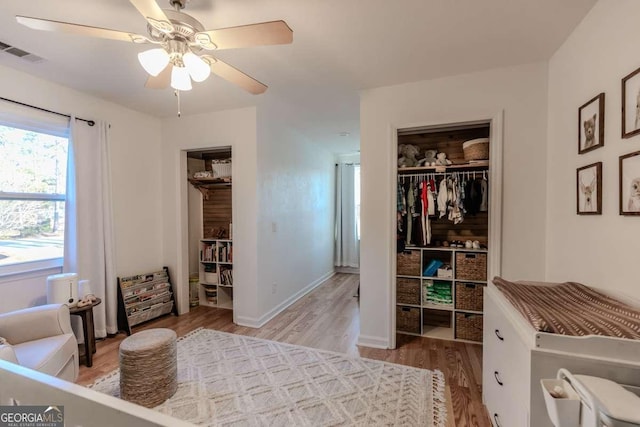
(38, 126)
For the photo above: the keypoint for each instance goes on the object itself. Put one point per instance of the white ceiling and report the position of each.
(339, 48)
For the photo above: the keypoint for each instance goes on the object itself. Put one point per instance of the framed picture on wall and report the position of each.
(589, 189)
(630, 184)
(591, 125)
(631, 104)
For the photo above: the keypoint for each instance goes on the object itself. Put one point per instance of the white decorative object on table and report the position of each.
(62, 289)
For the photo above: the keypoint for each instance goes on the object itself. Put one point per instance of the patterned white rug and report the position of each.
(227, 379)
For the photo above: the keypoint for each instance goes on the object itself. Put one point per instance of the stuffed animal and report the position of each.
(429, 158)
(408, 155)
(441, 159)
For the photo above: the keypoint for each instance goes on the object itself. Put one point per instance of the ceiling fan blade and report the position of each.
(161, 81)
(83, 30)
(265, 33)
(153, 14)
(235, 76)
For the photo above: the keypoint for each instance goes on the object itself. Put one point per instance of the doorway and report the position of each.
(210, 227)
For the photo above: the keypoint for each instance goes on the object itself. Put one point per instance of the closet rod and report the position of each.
(461, 173)
(89, 122)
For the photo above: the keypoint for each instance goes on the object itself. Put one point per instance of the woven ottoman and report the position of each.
(148, 367)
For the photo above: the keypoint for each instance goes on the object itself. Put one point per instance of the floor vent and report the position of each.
(19, 53)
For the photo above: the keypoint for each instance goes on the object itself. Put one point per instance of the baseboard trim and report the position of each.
(348, 270)
(252, 322)
(373, 342)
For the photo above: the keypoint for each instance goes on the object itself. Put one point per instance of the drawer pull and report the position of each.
(496, 418)
(500, 337)
(496, 375)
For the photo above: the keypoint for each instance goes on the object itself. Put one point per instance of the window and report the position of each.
(33, 169)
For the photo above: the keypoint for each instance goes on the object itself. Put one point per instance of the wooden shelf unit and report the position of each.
(216, 273)
(432, 315)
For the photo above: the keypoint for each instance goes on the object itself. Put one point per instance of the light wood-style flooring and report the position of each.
(328, 319)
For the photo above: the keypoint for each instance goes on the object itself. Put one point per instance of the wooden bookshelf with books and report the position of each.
(216, 273)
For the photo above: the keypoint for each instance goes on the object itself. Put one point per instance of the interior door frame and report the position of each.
(494, 254)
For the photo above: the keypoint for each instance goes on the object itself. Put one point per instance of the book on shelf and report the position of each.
(226, 276)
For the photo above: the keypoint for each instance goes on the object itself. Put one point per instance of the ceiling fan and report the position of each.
(181, 40)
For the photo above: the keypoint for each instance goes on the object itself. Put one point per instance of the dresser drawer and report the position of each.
(506, 368)
(505, 409)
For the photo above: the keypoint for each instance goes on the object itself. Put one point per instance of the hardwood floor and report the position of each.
(327, 318)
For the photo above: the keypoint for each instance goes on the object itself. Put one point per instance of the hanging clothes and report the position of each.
(411, 202)
(431, 197)
(474, 196)
(442, 198)
(461, 195)
(425, 213)
(455, 215)
(484, 191)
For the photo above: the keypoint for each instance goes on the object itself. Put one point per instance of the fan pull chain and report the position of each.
(177, 94)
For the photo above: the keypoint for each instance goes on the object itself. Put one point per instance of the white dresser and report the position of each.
(516, 357)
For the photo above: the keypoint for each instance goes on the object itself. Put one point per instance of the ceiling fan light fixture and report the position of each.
(154, 60)
(180, 79)
(197, 67)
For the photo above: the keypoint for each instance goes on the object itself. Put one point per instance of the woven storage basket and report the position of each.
(408, 319)
(471, 266)
(221, 170)
(149, 367)
(476, 149)
(469, 296)
(408, 291)
(469, 326)
(409, 263)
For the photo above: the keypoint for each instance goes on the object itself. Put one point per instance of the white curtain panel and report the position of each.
(347, 249)
(89, 245)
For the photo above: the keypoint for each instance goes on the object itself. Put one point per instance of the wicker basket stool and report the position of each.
(148, 367)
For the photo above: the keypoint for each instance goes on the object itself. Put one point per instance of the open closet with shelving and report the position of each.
(210, 227)
(442, 231)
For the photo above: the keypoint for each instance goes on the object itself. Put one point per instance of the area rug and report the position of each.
(234, 380)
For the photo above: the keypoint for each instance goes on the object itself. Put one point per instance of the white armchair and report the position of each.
(41, 338)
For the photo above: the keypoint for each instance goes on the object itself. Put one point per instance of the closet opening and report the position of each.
(210, 227)
(442, 230)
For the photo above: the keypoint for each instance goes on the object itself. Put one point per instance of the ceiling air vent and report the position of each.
(19, 53)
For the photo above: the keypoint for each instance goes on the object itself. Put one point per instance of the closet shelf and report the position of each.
(446, 248)
(204, 184)
(481, 164)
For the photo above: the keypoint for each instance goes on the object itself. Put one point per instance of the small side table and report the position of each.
(88, 331)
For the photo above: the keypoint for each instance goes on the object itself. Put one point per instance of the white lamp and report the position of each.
(180, 79)
(154, 60)
(197, 67)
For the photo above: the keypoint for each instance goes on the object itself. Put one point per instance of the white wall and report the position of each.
(518, 91)
(295, 214)
(235, 128)
(600, 250)
(134, 146)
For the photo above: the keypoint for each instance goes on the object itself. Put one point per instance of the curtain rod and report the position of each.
(350, 164)
(89, 122)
